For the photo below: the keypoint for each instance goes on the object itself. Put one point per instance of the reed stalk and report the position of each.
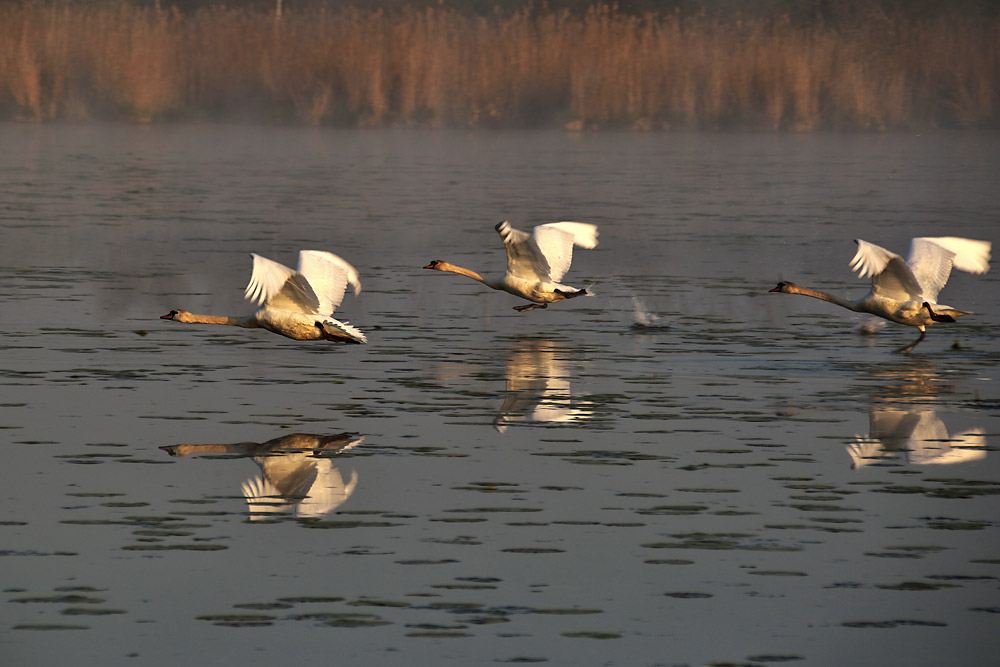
(436, 67)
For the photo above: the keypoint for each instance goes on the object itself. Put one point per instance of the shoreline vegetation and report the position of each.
(880, 68)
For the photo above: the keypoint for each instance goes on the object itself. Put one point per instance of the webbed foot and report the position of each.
(530, 306)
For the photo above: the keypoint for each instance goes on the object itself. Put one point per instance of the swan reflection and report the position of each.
(297, 473)
(919, 436)
(538, 386)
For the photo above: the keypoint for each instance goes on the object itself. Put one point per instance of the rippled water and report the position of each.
(744, 480)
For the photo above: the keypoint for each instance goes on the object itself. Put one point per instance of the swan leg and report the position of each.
(904, 350)
(530, 306)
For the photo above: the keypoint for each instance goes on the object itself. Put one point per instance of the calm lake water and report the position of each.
(750, 482)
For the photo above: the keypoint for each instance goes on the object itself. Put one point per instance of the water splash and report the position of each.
(643, 318)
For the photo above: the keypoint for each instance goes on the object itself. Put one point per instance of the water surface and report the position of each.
(747, 482)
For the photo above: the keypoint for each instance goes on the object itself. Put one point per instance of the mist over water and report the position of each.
(743, 480)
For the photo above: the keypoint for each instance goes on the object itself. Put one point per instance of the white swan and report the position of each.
(536, 262)
(906, 292)
(297, 304)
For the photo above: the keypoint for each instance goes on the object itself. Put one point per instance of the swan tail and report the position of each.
(341, 332)
(572, 292)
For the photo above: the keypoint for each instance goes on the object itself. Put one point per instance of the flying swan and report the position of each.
(297, 304)
(906, 292)
(536, 262)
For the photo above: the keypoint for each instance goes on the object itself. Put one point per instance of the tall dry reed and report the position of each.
(436, 67)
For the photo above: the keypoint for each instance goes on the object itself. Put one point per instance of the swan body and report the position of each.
(536, 262)
(297, 304)
(906, 291)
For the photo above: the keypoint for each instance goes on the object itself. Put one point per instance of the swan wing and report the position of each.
(971, 255)
(328, 275)
(870, 260)
(327, 493)
(891, 276)
(931, 265)
(864, 451)
(260, 496)
(555, 241)
(930, 444)
(266, 280)
(524, 258)
(961, 448)
(932, 258)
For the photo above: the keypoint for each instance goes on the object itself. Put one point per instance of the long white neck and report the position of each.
(818, 294)
(452, 268)
(248, 322)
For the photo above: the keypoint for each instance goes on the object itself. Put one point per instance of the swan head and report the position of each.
(176, 315)
(434, 265)
(785, 287)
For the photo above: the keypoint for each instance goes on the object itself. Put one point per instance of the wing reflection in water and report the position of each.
(538, 386)
(297, 473)
(919, 436)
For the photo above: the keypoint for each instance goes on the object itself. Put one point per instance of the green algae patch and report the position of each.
(336, 525)
(311, 599)
(239, 620)
(60, 599)
(262, 606)
(484, 510)
(592, 634)
(893, 624)
(914, 586)
(366, 602)
(672, 510)
(90, 611)
(668, 561)
(174, 547)
(356, 621)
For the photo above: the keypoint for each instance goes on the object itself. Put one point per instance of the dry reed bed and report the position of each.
(441, 68)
